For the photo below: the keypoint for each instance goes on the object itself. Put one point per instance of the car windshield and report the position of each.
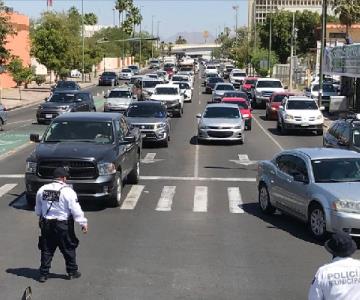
(303, 104)
(166, 91)
(112, 74)
(126, 70)
(150, 84)
(235, 95)
(80, 131)
(146, 111)
(168, 66)
(212, 75)
(241, 104)
(356, 137)
(186, 69)
(222, 112)
(278, 98)
(225, 87)
(119, 94)
(215, 79)
(328, 88)
(180, 78)
(336, 170)
(133, 67)
(269, 84)
(66, 85)
(211, 67)
(183, 85)
(66, 98)
(250, 81)
(133, 79)
(152, 76)
(239, 74)
(229, 69)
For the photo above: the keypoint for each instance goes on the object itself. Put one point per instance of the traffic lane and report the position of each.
(179, 158)
(293, 139)
(169, 254)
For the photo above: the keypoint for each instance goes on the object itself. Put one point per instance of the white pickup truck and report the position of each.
(264, 89)
(171, 97)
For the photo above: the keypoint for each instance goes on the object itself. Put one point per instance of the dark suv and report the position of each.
(65, 85)
(99, 150)
(344, 134)
(63, 102)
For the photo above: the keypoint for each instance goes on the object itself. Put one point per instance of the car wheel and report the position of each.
(320, 132)
(165, 143)
(264, 200)
(134, 175)
(94, 109)
(248, 126)
(282, 129)
(30, 200)
(179, 114)
(115, 197)
(317, 222)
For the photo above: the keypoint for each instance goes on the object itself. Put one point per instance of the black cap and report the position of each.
(60, 172)
(341, 244)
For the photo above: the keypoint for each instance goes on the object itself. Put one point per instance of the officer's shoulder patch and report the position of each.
(51, 195)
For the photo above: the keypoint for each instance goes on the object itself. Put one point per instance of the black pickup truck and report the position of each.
(99, 150)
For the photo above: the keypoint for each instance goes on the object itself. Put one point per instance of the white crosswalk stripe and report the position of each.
(166, 198)
(200, 199)
(7, 188)
(235, 200)
(132, 197)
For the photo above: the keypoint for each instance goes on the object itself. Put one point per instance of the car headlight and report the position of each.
(161, 125)
(237, 127)
(346, 206)
(30, 167)
(246, 115)
(289, 117)
(319, 117)
(106, 168)
(66, 108)
(40, 107)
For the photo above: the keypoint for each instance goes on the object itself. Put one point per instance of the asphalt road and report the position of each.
(195, 231)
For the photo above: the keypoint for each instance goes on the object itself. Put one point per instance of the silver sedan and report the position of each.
(221, 122)
(319, 186)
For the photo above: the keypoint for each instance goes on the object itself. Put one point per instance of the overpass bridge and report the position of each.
(195, 50)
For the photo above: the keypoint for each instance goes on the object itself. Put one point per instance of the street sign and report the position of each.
(264, 64)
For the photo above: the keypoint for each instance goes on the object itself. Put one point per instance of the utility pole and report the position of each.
(270, 41)
(152, 35)
(157, 34)
(236, 8)
(83, 41)
(140, 51)
(323, 44)
(292, 54)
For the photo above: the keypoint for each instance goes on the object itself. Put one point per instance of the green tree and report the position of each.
(19, 73)
(122, 6)
(180, 40)
(259, 58)
(90, 19)
(348, 12)
(6, 29)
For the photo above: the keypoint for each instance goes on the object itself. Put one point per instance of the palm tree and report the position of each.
(348, 11)
(122, 6)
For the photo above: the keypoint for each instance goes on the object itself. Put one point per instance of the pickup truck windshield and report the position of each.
(66, 98)
(146, 111)
(126, 71)
(236, 95)
(222, 112)
(166, 91)
(278, 98)
(66, 85)
(215, 79)
(336, 170)
(119, 94)
(269, 84)
(239, 74)
(80, 131)
(302, 105)
(183, 85)
(110, 74)
(150, 84)
(225, 87)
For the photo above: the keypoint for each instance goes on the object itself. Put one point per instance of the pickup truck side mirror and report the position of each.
(322, 108)
(34, 137)
(198, 116)
(300, 178)
(129, 139)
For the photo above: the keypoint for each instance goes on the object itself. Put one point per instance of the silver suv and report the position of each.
(3, 116)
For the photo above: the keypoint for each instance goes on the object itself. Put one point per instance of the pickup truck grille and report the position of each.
(143, 126)
(77, 169)
(299, 119)
(267, 93)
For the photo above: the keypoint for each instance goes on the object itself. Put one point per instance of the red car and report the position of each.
(244, 108)
(248, 84)
(272, 106)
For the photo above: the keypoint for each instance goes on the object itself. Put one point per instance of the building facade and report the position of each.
(259, 9)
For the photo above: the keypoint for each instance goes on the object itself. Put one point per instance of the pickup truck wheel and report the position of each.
(317, 222)
(134, 175)
(264, 200)
(115, 197)
(165, 143)
(283, 131)
(30, 200)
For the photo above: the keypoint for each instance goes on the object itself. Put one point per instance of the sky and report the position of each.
(174, 15)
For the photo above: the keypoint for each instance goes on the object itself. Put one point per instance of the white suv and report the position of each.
(264, 89)
(300, 113)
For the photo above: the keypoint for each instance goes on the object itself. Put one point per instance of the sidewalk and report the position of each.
(15, 98)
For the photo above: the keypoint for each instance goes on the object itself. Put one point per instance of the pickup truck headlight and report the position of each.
(237, 127)
(30, 167)
(347, 206)
(289, 117)
(161, 125)
(106, 169)
(319, 117)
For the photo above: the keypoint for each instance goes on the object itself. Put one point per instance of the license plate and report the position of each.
(48, 116)
(304, 124)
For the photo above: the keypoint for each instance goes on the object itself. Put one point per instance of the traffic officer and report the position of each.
(339, 279)
(57, 206)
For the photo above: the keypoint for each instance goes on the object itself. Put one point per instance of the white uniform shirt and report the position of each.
(338, 280)
(64, 205)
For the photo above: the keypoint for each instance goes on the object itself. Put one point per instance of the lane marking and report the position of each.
(268, 134)
(235, 200)
(150, 158)
(179, 178)
(196, 165)
(21, 121)
(7, 188)
(200, 199)
(132, 197)
(243, 160)
(166, 198)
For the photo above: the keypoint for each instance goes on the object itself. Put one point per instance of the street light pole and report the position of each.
(323, 44)
(157, 34)
(140, 51)
(236, 8)
(270, 42)
(152, 35)
(83, 41)
(292, 53)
